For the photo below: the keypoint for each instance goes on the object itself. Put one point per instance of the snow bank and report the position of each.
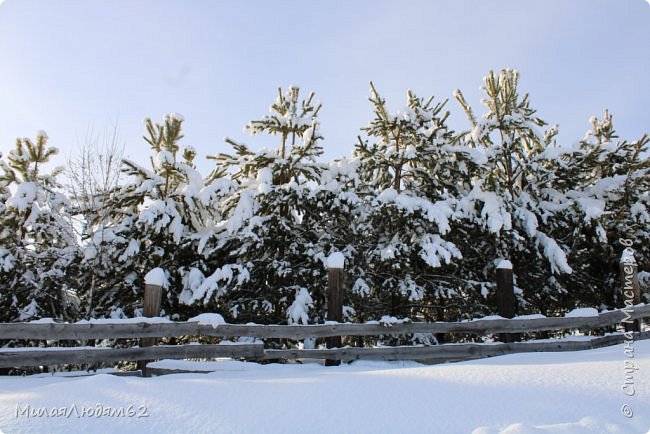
(186, 365)
(571, 393)
(586, 425)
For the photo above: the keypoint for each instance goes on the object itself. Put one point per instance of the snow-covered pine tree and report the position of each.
(157, 220)
(38, 251)
(274, 270)
(608, 182)
(510, 210)
(409, 179)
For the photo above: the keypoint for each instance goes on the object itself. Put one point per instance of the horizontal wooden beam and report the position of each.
(447, 352)
(84, 331)
(51, 331)
(89, 355)
(478, 327)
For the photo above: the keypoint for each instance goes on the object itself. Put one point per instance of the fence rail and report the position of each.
(18, 357)
(83, 331)
(91, 355)
(24, 357)
(448, 352)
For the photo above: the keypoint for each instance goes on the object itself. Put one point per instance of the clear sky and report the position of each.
(71, 65)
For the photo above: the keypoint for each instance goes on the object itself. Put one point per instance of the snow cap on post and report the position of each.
(627, 257)
(336, 260)
(156, 277)
(505, 264)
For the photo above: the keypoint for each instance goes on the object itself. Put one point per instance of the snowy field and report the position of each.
(577, 392)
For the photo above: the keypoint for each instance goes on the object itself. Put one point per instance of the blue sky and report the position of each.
(68, 65)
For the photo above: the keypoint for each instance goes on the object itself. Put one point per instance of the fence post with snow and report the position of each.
(335, 264)
(631, 291)
(505, 290)
(154, 281)
(506, 301)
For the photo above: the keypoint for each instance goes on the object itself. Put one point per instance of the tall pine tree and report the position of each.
(406, 167)
(510, 208)
(274, 268)
(37, 244)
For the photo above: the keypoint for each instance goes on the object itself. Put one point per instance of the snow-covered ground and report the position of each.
(578, 392)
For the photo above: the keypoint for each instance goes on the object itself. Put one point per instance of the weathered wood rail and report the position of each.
(83, 331)
(23, 357)
(91, 355)
(448, 352)
(18, 357)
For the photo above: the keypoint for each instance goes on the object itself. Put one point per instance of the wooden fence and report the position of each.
(333, 331)
(17, 357)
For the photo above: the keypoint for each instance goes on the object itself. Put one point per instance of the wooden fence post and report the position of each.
(153, 286)
(505, 295)
(335, 263)
(631, 291)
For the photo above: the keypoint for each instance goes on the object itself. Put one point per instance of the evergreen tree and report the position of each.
(608, 180)
(407, 171)
(37, 246)
(274, 261)
(510, 208)
(422, 215)
(157, 220)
